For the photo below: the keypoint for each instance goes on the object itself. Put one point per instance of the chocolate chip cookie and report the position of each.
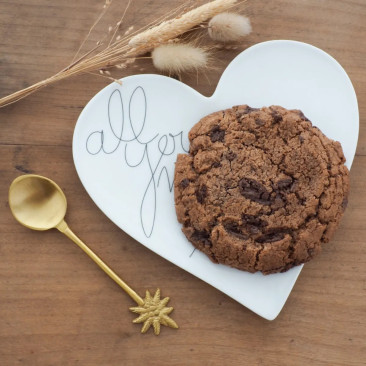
(261, 189)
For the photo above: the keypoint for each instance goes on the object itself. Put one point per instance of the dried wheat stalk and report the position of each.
(123, 50)
(175, 27)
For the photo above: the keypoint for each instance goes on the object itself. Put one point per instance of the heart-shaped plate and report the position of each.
(127, 138)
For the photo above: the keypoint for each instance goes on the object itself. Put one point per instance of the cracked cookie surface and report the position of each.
(261, 189)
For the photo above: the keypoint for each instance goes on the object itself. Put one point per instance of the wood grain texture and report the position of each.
(57, 308)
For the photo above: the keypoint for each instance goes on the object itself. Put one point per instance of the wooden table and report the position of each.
(57, 308)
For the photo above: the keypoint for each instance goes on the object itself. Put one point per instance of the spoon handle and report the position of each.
(64, 228)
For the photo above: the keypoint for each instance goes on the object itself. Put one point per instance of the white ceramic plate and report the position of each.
(127, 138)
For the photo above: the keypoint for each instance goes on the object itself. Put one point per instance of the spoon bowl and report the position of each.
(37, 202)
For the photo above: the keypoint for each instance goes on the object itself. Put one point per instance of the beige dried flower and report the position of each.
(175, 58)
(229, 27)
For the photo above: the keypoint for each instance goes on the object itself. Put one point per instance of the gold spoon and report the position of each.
(39, 204)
